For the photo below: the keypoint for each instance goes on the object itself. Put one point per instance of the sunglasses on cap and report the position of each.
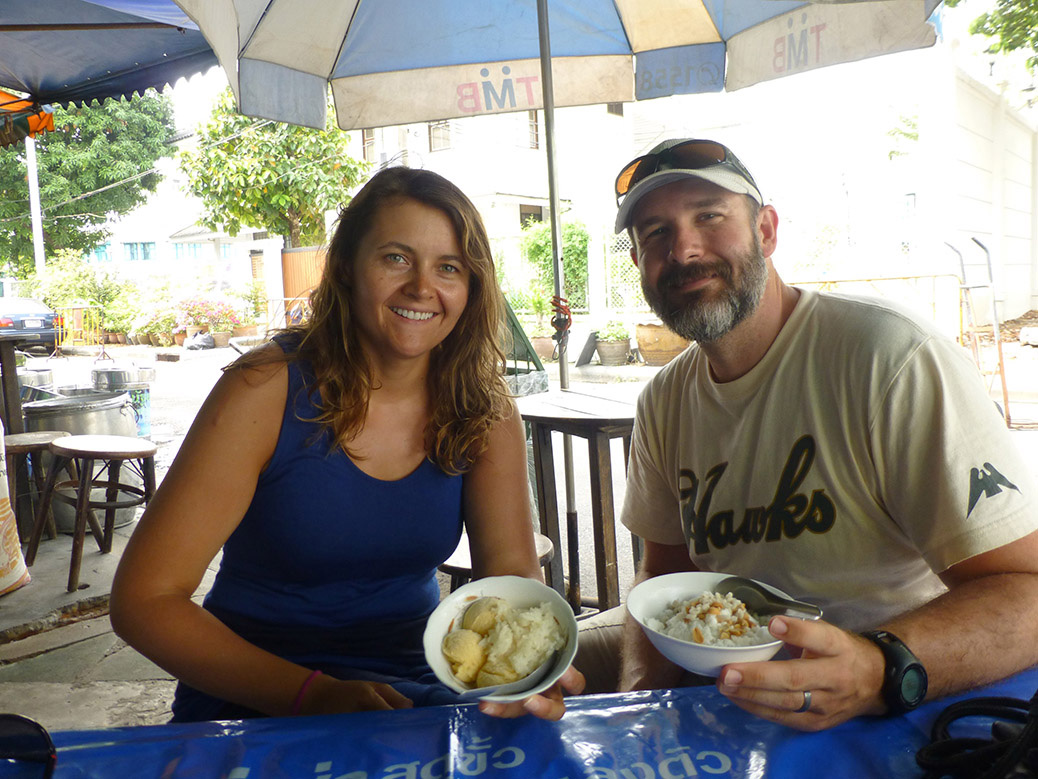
(687, 155)
(23, 740)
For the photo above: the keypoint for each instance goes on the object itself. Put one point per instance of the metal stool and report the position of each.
(459, 564)
(111, 452)
(20, 449)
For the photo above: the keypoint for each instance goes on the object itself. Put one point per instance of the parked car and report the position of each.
(32, 322)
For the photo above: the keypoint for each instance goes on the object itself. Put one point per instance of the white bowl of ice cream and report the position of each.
(696, 631)
(510, 637)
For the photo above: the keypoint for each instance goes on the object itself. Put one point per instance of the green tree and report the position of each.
(269, 175)
(536, 247)
(1013, 25)
(98, 162)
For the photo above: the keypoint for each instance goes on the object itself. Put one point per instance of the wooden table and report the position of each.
(598, 420)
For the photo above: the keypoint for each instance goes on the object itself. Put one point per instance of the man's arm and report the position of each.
(978, 632)
(982, 629)
(642, 667)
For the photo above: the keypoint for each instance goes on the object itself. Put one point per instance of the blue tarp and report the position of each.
(649, 735)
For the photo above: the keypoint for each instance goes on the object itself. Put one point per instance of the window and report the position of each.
(368, 137)
(100, 253)
(530, 214)
(136, 252)
(617, 109)
(534, 130)
(439, 135)
(187, 251)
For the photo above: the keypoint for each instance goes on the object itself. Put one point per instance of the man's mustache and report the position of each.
(676, 276)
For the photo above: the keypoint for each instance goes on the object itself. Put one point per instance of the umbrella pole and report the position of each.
(34, 202)
(548, 98)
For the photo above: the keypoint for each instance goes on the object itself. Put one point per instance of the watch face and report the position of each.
(913, 685)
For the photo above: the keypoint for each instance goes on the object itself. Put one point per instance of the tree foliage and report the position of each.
(536, 247)
(106, 150)
(269, 175)
(1013, 25)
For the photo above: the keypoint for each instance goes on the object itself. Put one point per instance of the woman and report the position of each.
(334, 467)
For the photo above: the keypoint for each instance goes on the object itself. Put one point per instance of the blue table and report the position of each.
(650, 735)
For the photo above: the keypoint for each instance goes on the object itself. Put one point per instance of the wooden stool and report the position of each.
(20, 449)
(459, 564)
(84, 450)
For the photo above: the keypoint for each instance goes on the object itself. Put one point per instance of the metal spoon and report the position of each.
(763, 602)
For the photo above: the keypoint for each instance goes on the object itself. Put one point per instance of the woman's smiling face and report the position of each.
(410, 282)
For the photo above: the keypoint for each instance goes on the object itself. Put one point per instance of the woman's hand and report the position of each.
(548, 705)
(328, 695)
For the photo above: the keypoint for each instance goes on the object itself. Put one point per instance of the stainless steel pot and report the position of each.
(87, 413)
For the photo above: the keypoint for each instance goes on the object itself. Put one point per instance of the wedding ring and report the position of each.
(806, 704)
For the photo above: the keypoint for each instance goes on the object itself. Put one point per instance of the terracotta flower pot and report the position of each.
(191, 330)
(243, 331)
(544, 346)
(179, 338)
(221, 338)
(657, 344)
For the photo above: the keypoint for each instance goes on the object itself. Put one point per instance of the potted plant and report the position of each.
(540, 335)
(613, 343)
(657, 343)
(223, 319)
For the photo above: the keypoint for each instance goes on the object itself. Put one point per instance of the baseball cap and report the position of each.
(677, 159)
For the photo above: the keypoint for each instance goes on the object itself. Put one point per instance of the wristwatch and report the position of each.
(904, 679)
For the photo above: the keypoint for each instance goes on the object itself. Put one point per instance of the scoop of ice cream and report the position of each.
(483, 613)
(465, 654)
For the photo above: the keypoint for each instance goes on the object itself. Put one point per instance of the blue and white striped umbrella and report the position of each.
(399, 61)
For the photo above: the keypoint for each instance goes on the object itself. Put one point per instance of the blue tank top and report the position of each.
(332, 568)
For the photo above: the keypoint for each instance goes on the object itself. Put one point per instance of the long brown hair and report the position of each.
(466, 389)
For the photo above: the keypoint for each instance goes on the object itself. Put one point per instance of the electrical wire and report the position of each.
(1010, 753)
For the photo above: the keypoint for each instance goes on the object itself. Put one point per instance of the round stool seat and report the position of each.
(26, 443)
(459, 564)
(114, 457)
(24, 454)
(103, 447)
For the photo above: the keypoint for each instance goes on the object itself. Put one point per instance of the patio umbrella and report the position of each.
(76, 51)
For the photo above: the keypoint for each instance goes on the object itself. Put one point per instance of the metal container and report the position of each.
(35, 383)
(134, 381)
(87, 412)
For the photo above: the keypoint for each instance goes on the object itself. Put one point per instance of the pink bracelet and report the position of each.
(298, 704)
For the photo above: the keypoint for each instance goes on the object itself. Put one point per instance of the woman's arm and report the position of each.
(497, 506)
(500, 528)
(200, 502)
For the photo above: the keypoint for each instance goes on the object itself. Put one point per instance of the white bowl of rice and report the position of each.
(698, 628)
(530, 603)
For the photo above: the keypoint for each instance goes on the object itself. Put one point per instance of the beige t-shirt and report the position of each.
(860, 457)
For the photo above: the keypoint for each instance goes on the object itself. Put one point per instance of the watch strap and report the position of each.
(898, 660)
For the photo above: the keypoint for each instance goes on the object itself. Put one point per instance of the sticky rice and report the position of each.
(711, 619)
(497, 644)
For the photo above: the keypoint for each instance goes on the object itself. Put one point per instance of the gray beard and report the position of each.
(707, 320)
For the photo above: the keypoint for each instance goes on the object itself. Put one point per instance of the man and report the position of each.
(834, 447)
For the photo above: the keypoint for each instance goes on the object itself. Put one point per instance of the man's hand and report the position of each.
(842, 671)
